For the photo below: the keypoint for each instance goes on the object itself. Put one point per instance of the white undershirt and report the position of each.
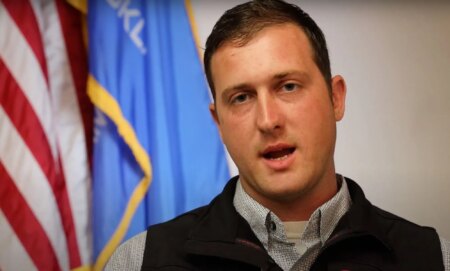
(294, 231)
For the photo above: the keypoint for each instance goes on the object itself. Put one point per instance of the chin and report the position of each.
(287, 193)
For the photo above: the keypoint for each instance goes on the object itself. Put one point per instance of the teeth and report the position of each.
(280, 158)
(278, 154)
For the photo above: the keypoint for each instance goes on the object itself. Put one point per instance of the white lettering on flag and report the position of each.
(126, 14)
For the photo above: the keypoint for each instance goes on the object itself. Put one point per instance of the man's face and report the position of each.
(275, 115)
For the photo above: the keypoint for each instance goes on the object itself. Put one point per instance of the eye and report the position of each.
(239, 98)
(289, 87)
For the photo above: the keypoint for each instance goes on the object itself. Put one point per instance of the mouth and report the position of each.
(278, 152)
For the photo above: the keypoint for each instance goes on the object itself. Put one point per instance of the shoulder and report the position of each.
(412, 241)
(165, 242)
(399, 232)
(369, 217)
(175, 230)
(406, 226)
(129, 255)
(445, 246)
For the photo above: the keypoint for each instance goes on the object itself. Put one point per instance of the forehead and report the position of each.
(290, 29)
(274, 49)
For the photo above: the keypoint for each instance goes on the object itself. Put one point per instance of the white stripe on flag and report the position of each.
(37, 10)
(15, 257)
(70, 130)
(24, 67)
(32, 183)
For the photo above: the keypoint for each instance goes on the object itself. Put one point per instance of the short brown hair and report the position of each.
(241, 23)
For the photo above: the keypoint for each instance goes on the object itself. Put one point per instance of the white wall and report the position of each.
(395, 138)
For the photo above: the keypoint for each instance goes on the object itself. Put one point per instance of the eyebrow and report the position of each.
(282, 75)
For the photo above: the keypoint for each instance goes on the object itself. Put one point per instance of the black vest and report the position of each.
(216, 237)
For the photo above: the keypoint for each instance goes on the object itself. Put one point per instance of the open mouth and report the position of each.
(278, 154)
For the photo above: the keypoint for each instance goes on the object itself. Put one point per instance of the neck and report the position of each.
(300, 208)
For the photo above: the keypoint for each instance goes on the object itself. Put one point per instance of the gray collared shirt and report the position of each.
(270, 229)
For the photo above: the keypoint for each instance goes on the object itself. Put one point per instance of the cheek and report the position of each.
(316, 121)
(236, 135)
(225, 127)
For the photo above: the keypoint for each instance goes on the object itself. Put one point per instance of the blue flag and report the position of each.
(157, 153)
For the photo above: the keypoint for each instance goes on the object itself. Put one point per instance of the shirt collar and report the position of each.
(256, 215)
(265, 223)
(328, 214)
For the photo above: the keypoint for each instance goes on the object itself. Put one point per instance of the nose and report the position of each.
(269, 119)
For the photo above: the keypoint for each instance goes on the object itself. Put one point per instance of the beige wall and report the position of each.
(395, 138)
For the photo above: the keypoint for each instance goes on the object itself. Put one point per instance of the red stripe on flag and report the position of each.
(68, 222)
(71, 25)
(27, 124)
(23, 15)
(22, 115)
(25, 225)
(25, 120)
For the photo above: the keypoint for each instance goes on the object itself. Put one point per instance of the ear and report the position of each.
(338, 91)
(212, 110)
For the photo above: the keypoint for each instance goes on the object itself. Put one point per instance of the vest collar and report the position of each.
(361, 220)
(222, 232)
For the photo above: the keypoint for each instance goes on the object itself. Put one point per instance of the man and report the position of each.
(276, 106)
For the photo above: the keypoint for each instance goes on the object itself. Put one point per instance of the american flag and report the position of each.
(45, 131)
